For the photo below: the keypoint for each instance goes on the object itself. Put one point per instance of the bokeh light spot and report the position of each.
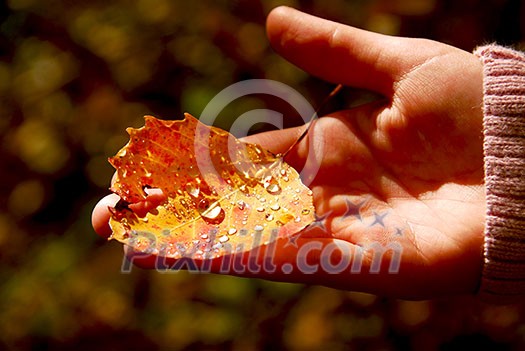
(26, 198)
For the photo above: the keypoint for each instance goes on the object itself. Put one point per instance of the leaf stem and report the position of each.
(334, 92)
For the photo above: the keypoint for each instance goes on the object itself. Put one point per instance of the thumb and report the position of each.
(344, 54)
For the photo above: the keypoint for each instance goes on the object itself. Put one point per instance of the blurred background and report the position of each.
(75, 74)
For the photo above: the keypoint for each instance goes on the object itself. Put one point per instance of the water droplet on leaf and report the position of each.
(220, 201)
(213, 214)
(193, 171)
(273, 189)
(192, 189)
(271, 185)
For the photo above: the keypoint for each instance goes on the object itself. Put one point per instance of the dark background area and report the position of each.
(75, 74)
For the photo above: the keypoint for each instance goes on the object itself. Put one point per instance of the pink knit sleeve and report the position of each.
(503, 279)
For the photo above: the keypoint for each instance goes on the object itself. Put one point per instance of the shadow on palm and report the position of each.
(384, 189)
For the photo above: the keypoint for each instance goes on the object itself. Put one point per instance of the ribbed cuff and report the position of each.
(503, 279)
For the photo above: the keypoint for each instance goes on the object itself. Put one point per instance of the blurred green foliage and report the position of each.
(75, 74)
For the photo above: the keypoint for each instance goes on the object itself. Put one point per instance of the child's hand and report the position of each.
(405, 174)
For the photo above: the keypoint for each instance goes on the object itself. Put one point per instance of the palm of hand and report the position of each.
(399, 173)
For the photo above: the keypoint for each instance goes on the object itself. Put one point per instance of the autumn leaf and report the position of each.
(221, 194)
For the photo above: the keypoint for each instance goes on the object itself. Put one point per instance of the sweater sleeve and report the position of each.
(503, 278)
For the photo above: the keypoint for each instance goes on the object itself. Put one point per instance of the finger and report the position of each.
(333, 150)
(276, 141)
(279, 141)
(114, 178)
(321, 261)
(340, 53)
(154, 198)
(100, 215)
